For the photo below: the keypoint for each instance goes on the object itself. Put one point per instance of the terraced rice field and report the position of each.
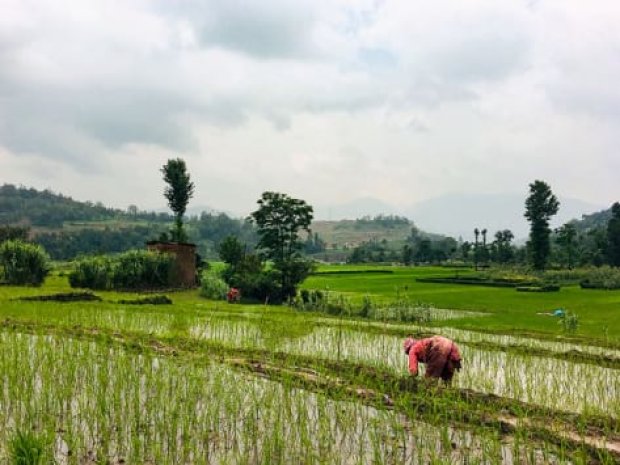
(206, 382)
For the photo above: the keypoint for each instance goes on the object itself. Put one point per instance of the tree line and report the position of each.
(593, 242)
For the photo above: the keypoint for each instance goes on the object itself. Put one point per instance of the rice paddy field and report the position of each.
(206, 382)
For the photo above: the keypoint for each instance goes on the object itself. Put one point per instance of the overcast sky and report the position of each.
(327, 100)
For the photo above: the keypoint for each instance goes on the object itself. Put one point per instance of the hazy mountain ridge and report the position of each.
(458, 215)
(454, 214)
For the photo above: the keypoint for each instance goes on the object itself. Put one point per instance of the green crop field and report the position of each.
(509, 311)
(203, 381)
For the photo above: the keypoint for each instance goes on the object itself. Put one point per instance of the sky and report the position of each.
(326, 100)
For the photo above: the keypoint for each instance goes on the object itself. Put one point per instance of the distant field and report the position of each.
(511, 311)
(345, 232)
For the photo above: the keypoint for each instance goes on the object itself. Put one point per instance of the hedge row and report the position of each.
(132, 270)
(323, 273)
(23, 263)
(476, 281)
(546, 288)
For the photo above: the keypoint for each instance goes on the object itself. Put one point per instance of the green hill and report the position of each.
(67, 228)
(593, 221)
(46, 209)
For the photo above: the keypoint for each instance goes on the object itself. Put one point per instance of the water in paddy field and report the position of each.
(99, 404)
(503, 340)
(557, 384)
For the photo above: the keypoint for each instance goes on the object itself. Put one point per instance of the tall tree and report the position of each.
(231, 251)
(567, 240)
(540, 206)
(279, 219)
(502, 247)
(613, 236)
(476, 249)
(178, 192)
(484, 254)
(407, 255)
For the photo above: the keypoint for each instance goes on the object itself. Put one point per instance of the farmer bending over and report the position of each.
(440, 354)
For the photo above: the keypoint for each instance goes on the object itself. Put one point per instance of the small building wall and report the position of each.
(184, 269)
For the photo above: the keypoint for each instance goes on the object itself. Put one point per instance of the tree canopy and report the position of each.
(540, 206)
(613, 236)
(279, 219)
(178, 192)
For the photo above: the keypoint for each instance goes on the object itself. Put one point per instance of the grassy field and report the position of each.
(510, 311)
(203, 381)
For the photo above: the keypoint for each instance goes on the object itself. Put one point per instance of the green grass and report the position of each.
(510, 311)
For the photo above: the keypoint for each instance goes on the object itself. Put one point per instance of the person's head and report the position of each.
(408, 343)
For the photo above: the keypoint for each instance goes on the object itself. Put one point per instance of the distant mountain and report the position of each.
(459, 214)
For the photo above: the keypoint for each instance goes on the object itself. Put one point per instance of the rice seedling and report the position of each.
(102, 403)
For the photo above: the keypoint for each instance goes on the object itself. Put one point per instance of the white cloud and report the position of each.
(327, 100)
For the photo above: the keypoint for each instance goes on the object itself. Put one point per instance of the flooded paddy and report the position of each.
(558, 384)
(100, 404)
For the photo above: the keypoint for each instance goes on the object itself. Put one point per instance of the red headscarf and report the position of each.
(408, 344)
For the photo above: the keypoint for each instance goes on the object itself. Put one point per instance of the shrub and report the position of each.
(23, 263)
(212, 286)
(141, 269)
(92, 273)
(477, 281)
(263, 286)
(149, 300)
(136, 269)
(566, 276)
(604, 277)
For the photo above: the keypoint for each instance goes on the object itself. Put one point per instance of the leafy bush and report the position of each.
(604, 277)
(339, 272)
(263, 286)
(136, 269)
(23, 263)
(141, 269)
(212, 286)
(477, 281)
(566, 276)
(149, 300)
(92, 273)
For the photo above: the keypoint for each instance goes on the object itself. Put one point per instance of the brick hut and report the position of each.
(184, 270)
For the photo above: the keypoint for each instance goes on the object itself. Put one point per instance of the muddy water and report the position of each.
(558, 384)
(101, 404)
